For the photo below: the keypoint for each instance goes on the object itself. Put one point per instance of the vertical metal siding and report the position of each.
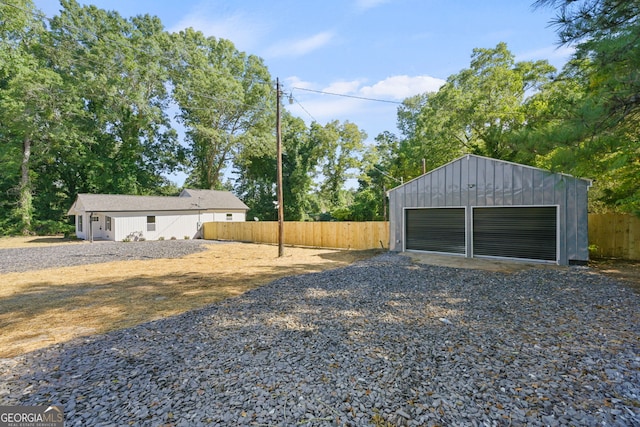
(582, 219)
(507, 189)
(464, 183)
(455, 184)
(477, 181)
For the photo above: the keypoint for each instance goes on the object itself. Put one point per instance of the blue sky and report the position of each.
(380, 49)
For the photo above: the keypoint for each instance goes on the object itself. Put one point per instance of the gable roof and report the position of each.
(214, 199)
(492, 160)
(188, 200)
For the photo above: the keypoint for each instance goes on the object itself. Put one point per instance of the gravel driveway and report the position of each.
(381, 342)
(68, 255)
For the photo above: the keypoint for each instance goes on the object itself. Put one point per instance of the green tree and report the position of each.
(424, 122)
(83, 108)
(226, 103)
(383, 166)
(257, 172)
(300, 158)
(29, 91)
(115, 70)
(340, 145)
(479, 109)
(601, 130)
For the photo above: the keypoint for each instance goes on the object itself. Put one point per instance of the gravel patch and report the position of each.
(15, 260)
(381, 342)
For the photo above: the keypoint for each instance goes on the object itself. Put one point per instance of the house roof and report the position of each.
(188, 200)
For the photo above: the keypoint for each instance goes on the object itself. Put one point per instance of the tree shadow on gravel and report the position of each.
(44, 312)
(356, 346)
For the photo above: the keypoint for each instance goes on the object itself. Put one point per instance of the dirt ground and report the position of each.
(627, 272)
(45, 307)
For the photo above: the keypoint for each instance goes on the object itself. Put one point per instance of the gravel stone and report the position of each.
(16, 260)
(360, 345)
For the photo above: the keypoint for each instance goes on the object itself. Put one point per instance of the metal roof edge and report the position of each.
(469, 155)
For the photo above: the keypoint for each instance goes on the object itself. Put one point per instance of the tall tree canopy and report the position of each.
(341, 144)
(479, 110)
(115, 74)
(85, 99)
(226, 101)
(314, 156)
(30, 115)
(602, 128)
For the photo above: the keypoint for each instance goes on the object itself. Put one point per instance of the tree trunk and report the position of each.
(25, 206)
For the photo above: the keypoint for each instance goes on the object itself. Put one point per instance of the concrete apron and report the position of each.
(505, 266)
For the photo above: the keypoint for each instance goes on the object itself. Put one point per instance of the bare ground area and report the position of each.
(43, 307)
(626, 271)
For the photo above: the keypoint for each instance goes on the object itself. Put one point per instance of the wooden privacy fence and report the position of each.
(339, 235)
(614, 235)
(610, 235)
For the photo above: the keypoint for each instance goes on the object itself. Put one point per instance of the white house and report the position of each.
(121, 217)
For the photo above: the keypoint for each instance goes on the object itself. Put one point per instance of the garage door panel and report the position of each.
(516, 232)
(436, 230)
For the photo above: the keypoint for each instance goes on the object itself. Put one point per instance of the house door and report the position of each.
(97, 226)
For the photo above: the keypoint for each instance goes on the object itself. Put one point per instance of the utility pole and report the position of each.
(279, 173)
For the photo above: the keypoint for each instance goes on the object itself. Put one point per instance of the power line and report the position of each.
(348, 96)
(304, 109)
(87, 60)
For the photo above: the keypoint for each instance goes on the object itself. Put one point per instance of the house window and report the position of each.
(107, 223)
(151, 223)
(229, 217)
(80, 223)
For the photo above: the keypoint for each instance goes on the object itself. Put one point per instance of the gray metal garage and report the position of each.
(480, 207)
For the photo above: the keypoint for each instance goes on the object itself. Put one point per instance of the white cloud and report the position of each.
(323, 108)
(551, 53)
(244, 31)
(369, 4)
(344, 87)
(401, 87)
(295, 81)
(369, 114)
(300, 47)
